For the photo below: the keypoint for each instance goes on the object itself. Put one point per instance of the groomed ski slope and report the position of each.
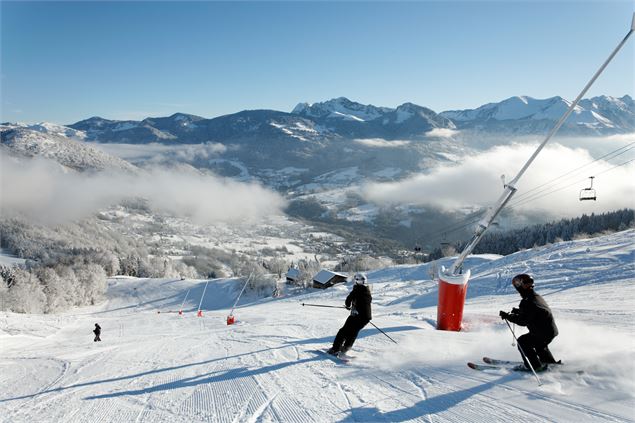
(161, 367)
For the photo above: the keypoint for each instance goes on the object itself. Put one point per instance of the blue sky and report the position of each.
(63, 62)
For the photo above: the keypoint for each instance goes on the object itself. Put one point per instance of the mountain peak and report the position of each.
(340, 108)
(185, 116)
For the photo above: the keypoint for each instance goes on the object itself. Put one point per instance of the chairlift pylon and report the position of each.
(588, 193)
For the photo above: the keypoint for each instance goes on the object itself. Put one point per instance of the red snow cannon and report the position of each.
(180, 312)
(230, 320)
(452, 290)
(199, 313)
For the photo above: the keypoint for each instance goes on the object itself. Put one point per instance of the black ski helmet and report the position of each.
(523, 281)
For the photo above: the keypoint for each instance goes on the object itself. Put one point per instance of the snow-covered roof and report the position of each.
(293, 273)
(323, 276)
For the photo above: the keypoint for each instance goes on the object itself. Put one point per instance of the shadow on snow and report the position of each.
(428, 406)
(208, 377)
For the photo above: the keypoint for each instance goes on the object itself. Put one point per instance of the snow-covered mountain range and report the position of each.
(527, 115)
(353, 120)
(342, 118)
(319, 155)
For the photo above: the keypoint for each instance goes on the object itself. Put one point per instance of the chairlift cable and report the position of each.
(577, 169)
(526, 197)
(539, 193)
(519, 203)
(542, 193)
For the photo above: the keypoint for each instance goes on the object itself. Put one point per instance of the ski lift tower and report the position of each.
(452, 282)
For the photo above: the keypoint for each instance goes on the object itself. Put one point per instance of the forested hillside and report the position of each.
(508, 242)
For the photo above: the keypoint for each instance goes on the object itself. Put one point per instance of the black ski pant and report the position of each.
(536, 349)
(97, 338)
(346, 336)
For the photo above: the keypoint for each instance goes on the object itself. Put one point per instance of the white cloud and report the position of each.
(622, 137)
(159, 152)
(476, 182)
(381, 143)
(442, 132)
(43, 190)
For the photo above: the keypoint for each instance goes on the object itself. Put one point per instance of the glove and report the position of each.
(503, 315)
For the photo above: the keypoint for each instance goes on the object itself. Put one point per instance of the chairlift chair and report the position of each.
(588, 193)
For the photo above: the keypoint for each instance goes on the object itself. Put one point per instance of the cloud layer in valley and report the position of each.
(442, 132)
(475, 181)
(43, 190)
(381, 143)
(159, 152)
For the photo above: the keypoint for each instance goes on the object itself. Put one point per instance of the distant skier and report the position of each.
(358, 301)
(97, 332)
(534, 313)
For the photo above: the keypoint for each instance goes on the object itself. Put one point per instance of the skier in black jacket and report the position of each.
(358, 301)
(97, 332)
(534, 313)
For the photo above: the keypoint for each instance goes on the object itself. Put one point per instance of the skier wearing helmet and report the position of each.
(358, 301)
(534, 313)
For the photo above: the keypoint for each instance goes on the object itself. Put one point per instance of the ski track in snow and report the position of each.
(161, 367)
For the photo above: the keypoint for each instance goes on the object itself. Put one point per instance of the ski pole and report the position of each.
(330, 306)
(322, 305)
(383, 332)
(524, 355)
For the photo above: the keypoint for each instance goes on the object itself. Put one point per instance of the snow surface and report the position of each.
(46, 128)
(7, 259)
(154, 367)
(67, 151)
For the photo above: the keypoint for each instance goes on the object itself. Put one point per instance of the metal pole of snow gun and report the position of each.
(329, 306)
(230, 319)
(523, 353)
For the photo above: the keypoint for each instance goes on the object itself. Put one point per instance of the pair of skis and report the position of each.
(495, 364)
(517, 366)
(338, 358)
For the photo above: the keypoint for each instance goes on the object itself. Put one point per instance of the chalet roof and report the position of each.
(323, 276)
(293, 273)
